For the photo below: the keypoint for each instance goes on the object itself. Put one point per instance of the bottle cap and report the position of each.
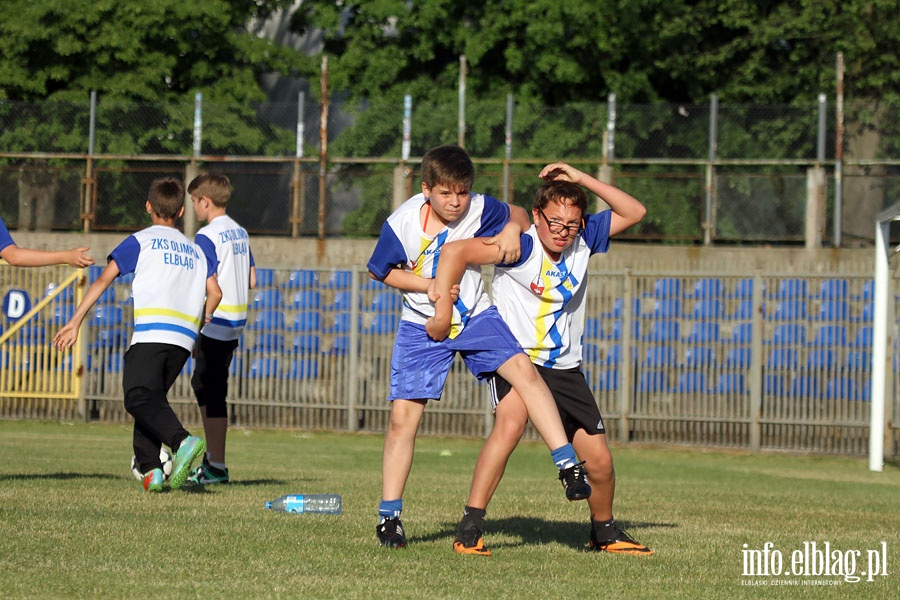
(268, 504)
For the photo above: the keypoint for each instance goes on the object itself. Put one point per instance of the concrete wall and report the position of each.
(284, 253)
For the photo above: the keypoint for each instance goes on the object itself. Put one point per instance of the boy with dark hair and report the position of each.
(406, 257)
(227, 246)
(173, 286)
(541, 297)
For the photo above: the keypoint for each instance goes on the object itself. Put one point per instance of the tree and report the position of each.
(146, 60)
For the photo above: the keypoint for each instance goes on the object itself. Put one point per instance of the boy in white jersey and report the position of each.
(173, 286)
(541, 297)
(227, 246)
(406, 257)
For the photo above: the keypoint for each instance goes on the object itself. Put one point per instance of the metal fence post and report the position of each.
(756, 359)
(298, 187)
(626, 383)
(508, 147)
(88, 188)
(709, 218)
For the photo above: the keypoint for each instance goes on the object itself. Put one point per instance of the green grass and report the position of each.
(75, 524)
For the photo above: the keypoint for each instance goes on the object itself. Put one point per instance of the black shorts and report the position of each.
(210, 379)
(577, 407)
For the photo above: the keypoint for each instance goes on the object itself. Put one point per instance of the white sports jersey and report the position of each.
(227, 245)
(169, 287)
(404, 244)
(542, 300)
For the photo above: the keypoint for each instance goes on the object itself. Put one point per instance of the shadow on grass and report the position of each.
(532, 532)
(57, 476)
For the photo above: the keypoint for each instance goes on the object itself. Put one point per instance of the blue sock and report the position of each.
(389, 509)
(564, 457)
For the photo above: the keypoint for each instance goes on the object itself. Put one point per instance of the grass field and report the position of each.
(75, 524)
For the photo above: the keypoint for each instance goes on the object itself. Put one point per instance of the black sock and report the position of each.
(604, 530)
(472, 516)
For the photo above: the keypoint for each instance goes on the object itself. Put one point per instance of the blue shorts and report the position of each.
(419, 365)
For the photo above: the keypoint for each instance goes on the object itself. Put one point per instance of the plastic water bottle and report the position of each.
(307, 503)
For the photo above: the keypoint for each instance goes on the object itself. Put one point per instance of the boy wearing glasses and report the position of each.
(541, 297)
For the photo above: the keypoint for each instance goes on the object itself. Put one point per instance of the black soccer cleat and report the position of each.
(470, 541)
(622, 543)
(575, 482)
(390, 533)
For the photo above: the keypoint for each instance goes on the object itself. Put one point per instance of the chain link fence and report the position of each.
(712, 173)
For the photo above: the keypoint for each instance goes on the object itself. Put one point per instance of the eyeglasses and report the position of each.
(557, 227)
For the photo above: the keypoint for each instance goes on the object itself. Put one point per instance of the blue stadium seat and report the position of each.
(307, 321)
(858, 360)
(782, 359)
(373, 284)
(730, 383)
(307, 343)
(265, 298)
(619, 325)
(663, 331)
(265, 277)
(699, 356)
(267, 320)
(593, 328)
(268, 342)
(31, 334)
(339, 346)
(61, 314)
(388, 302)
(790, 310)
(114, 363)
(709, 308)
(112, 337)
(66, 294)
(703, 332)
(806, 386)
(660, 356)
(667, 308)
(834, 310)
(652, 381)
(820, 358)
(264, 367)
(608, 380)
(743, 310)
(340, 323)
(773, 385)
(743, 289)
(384, 323)
(590, 354)
(742, 333)
(830, 336)
(306, 300)
(614, 355)
(738, 358)
(338, 280)
(619, 308)
(791, 289)
(343, 301)
(868, 291)
(106, 315)
(188, 367)
(667, 287)
(863, 338)
(303, 368)
(834, 289)
(302, 278)
(691, 382)
(709, 288)
(843, 388)
(788, 334)
(868, 313)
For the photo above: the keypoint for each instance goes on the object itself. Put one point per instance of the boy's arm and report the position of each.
(405, 281)
(26, 257)
(455, 257)
(213, 297)
(508, 240)
(252, 277)
(65, 338)
(626, 209)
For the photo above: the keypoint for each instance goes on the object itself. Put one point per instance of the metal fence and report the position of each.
(708, 173)
(758, 361)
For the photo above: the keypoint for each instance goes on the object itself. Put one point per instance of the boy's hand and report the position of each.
(78, 257)
(434, 296)
(508, 244)
(560, 171)
(65, 338)
(437, 328)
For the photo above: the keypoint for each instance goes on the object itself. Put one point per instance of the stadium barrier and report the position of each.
(759, 362)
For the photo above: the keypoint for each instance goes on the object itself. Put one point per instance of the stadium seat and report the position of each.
(264, 367)
(843, 388)
(384, 323)
(788, 334)
(660, 356)
(743, 289)
(805, 386)
(265, 298)
(858, 360)
(387, 302)
(619, 325)
(618, 311)
(667, 287)
(667, 308)
(833, 310)
(738, 358)
(703, 332)
(302, 278)
(691, 382)
(340, 323)
(868, 313)
(863, 339)
(743, 310)
(268, 342)
(830, 336)
(868, 291)
(106, 315)
(699, 356)
(343, 301)
(112, 337)
(709, 308)
(265, 277)
(267, 320)
(303, 368)
(820, 358)
(834, 289)
(709, 288)
(307, 321)
(306, 300)
(790, 310)
(730, 383)
(791, 289)
(66, 294)
(663, 331)
(338, 280)
(608, 380)
(593, 328)
(339, 346)
(782, 359)
(307, 343)
(773, 385)
(742, 333)
(653, 381)
(61, 314)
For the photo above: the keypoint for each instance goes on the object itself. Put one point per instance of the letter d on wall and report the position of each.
(15, 304)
